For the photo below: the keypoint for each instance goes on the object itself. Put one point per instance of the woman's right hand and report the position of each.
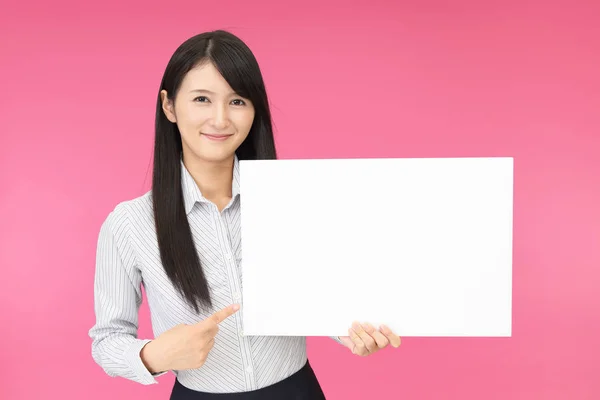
(184, 346)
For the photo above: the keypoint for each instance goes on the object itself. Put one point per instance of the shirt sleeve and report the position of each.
(337, 339)
(117, 298)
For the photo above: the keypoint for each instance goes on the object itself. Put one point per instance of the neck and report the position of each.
(214, 179)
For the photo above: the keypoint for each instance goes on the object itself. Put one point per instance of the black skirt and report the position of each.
(303, 385)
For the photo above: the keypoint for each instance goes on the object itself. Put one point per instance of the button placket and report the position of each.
(235, 285)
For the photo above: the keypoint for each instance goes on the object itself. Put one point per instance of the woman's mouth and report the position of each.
(217, 137)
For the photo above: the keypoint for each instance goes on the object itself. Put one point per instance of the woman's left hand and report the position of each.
(365, 340)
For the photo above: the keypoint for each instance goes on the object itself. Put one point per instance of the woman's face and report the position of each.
(212, 119)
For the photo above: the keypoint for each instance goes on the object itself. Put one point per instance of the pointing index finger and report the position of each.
(226, 312)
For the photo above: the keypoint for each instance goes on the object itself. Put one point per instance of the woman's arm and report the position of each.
(117, 297)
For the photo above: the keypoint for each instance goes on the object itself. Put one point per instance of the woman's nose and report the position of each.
(221, 117)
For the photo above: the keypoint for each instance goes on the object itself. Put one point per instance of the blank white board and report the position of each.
(421, 245)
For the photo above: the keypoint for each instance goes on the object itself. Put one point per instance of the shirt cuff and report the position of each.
(337, 339)
(134, 360)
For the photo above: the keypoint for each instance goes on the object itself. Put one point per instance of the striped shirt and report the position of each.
(128, 257)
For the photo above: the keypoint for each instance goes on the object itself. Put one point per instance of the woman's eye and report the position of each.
(204, 99)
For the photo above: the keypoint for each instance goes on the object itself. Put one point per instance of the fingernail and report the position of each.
(368, 327)
(236, 307)
(355, 326)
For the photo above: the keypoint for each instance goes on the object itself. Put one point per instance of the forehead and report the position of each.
(205, 77)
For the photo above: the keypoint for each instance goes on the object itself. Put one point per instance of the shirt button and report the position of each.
(237, 296)
(241, 332)
(249, 369)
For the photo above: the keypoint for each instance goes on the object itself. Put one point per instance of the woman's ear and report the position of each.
(167, 106)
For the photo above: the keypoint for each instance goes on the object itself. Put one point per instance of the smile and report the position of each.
(216, 136)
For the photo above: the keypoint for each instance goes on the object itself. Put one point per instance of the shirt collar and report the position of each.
(191, 191)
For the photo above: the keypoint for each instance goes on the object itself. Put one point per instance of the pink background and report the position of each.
(377, 79)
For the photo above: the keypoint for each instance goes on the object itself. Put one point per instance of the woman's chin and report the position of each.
(213, 156)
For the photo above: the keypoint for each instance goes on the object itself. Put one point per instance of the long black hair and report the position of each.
(238, 66)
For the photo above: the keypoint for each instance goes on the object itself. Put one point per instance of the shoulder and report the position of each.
(130, 214)
(120, 231)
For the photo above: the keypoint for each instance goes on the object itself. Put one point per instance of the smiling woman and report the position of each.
(182, 242)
